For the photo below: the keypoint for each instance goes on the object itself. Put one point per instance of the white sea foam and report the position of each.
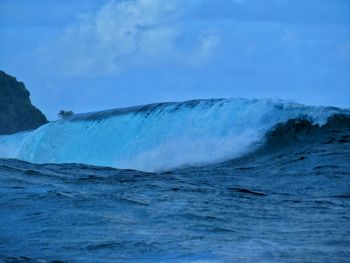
(159, 137)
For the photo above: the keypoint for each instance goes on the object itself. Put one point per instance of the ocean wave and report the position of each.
(165, 136)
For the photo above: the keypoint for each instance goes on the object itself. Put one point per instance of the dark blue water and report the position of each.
(287, 202)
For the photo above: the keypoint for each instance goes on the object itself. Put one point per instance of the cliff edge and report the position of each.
(16, 110)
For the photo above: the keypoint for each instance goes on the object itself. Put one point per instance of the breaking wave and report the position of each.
(165, 136)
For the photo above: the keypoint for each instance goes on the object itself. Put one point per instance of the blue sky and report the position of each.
(91, 55)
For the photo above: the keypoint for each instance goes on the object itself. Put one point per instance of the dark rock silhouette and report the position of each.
(16, 110)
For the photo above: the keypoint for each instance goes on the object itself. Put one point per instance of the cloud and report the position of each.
(208, 42)
(123, 34)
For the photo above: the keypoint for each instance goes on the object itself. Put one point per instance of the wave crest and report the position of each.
(163, 136)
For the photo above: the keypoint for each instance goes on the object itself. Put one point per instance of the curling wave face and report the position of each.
(161, 136)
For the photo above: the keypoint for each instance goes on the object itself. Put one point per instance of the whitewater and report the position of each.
(162, 136)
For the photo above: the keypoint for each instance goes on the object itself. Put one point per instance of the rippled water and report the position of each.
(279, 204)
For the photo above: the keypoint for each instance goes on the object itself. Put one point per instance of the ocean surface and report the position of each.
(200, 181)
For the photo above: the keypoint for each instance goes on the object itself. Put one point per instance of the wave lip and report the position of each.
(161, 136)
